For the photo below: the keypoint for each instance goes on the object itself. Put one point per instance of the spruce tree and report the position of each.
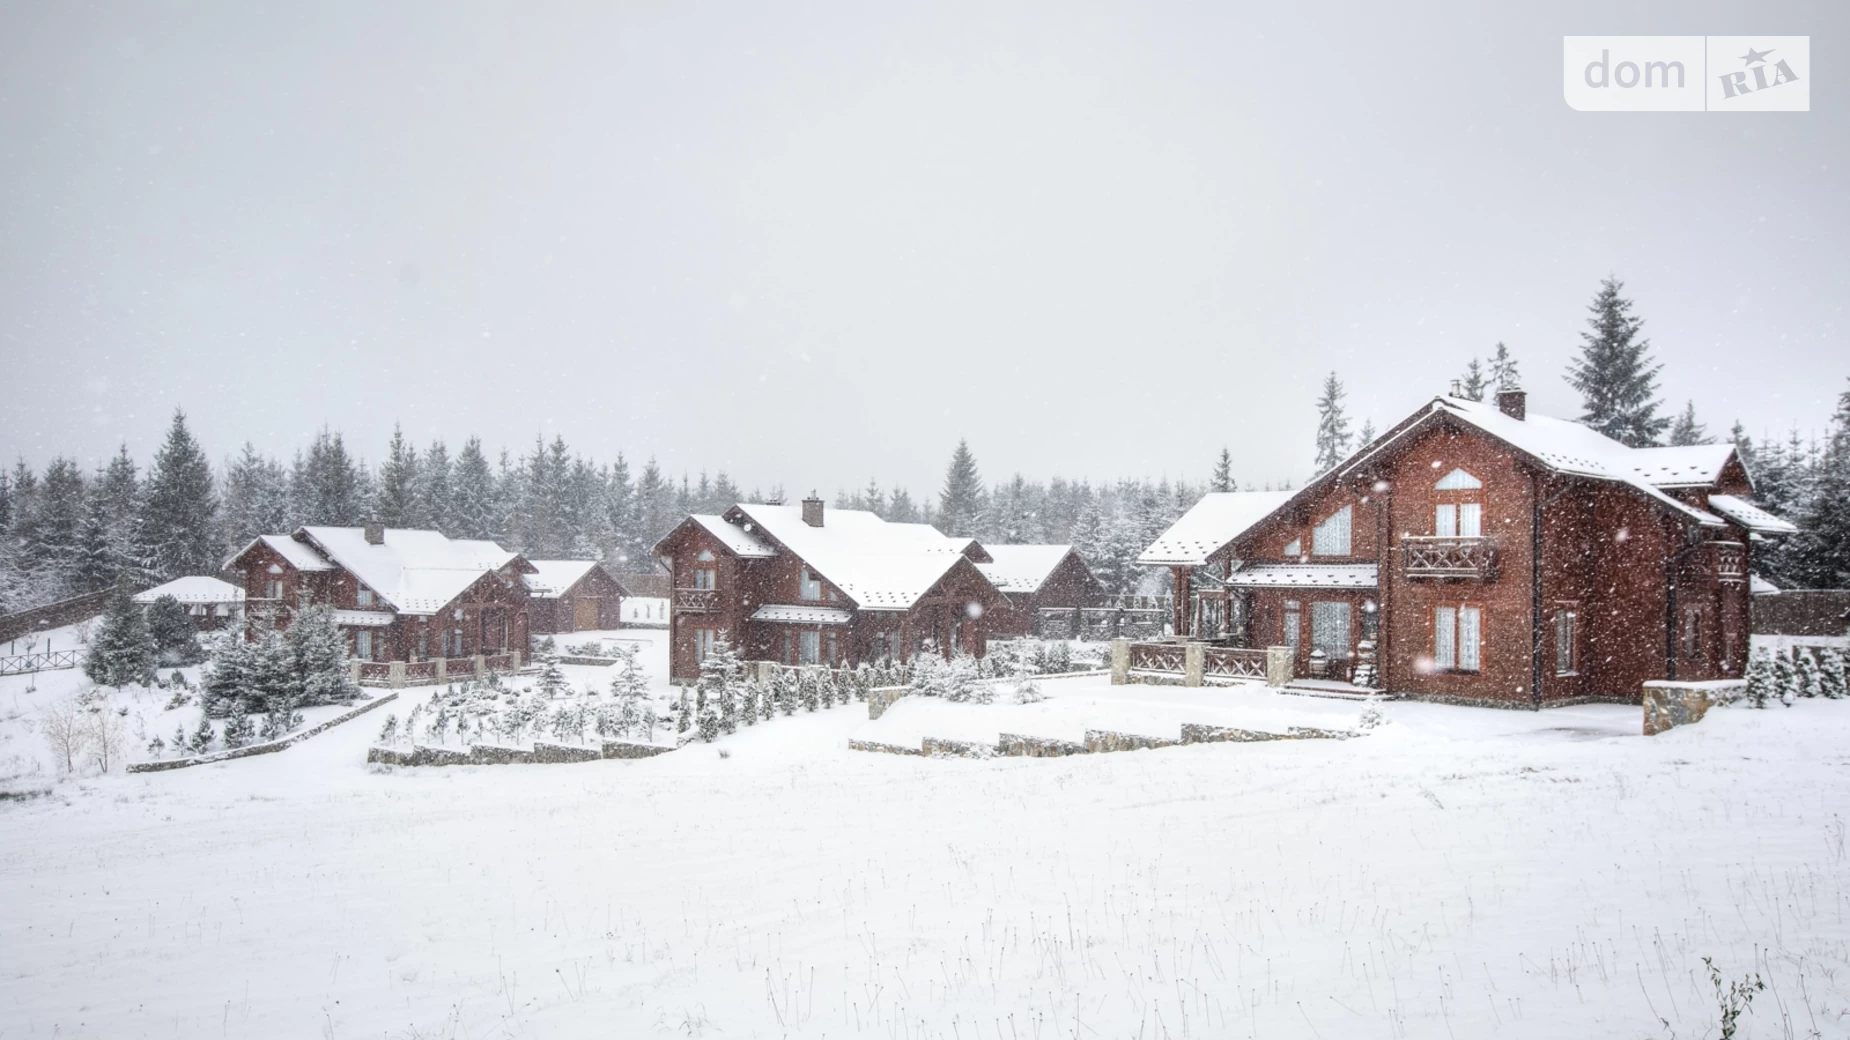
(1831, 678)
(202, 737)
(551, 683)
(397, 503)
(1686, 430)
(177, 529)
(176, 640)
(473, 495)
(1471, 385)
(121, 650)
(1332, 425)
(1821, 550)
(1367, 436)
(960, 503)
(256, 499)
(1222, 480)
(317, 652)
(684, 713)
(1615, 373)
(1785, 676)
(1504, 374)
(328, 488)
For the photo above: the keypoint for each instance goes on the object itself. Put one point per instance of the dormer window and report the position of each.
(706, 570)
(1295, 548)
(1331, 537)
(364, 597)
(809, 587)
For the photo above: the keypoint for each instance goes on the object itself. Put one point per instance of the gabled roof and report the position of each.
(1691, 465)
(1750, 516)
(876, 564)
(1219, 518)
(1023, 568)
(1559, 445)
(195, 589)
(298, 555)
(553, 578)
(415, 572)
(736, 539)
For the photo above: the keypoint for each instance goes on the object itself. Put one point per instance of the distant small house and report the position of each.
(1045, 585)
(572, 596)
(399, 595)
(211, 603)
(805, 585)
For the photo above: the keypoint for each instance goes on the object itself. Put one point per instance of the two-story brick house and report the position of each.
(399, 595)
(1488, 555)
(1033, 578)
(804, 585)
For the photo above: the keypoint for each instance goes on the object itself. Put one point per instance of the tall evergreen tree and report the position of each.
(328, 488)
(397, 503)
(900, 509)
(122, 650)
(1471, 385)
(1332, 425)
(1615, 373)
(256, 499)
(1686, 430)
(474, 510)
(1223, 472)
(433, 490)
(1504, 374)
(1822, 546)
(960, 503)
(178, 531)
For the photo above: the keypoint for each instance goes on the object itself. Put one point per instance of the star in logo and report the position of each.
(1754, 57)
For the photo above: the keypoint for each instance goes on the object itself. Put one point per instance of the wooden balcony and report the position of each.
(1439, 558)
(696, 601)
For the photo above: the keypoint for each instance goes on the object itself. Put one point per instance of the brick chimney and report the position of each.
(375, 532)
(1513, 402)
(812, 510)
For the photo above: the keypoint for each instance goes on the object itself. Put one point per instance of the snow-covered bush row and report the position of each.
(1777, 674)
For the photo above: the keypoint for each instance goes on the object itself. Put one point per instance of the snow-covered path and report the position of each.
(1460, 873)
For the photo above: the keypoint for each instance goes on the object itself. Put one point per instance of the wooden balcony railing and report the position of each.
(1430, 556)
(1717, 561)
(696, 601)
(1157, 657)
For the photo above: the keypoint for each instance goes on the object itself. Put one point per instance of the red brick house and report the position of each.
(1489, 556)
(572, 596)
(211, 603)
(1033, 578)
(805, 585)
(400, 595)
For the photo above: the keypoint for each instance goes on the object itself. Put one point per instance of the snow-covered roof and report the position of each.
(1750, 516)
(1758, 586)
(741, 542)
(1307, 576)
(415, 572)
(801, 614)
(194, 589)
(1689, 465)
(1569, 447)
(878, 565)
(551, 578)
(301, 557)
(1210, 524)
(362, 618)
(1022, 568)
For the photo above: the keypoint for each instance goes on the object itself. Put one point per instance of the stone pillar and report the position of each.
(481, 666)
(513, 660)
(443, 669)
(353, 670)
(1279, 665)
(1194, 663)
(1120, 661)
(397, 674)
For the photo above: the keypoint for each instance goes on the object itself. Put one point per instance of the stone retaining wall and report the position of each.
(1669, 704)
(1097, 742)
(267, 748)
(880, 698)
(541, 753)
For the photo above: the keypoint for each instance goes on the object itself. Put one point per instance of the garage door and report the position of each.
(584, 615)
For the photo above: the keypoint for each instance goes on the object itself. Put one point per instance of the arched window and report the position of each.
(1459, 513)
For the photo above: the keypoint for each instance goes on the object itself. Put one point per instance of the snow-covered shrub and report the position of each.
(123, 650)
(203, 737)
(1760, 678)
(1785, 677)
(551, 682)
(1831, 678)
(1371, 717)
(388, 733)
(1027, 691)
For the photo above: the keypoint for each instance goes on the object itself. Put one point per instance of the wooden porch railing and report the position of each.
(375, 670)
(696, 601)
(1234, 663)
(1158, 657)
(1429, 556)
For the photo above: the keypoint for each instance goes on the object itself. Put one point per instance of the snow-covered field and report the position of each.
(1459, 872)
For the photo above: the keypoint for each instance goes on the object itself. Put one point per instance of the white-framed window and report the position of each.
(706, 570)
(1567, 654)
(1458, 480)
(809, 587)
(363, 597)
(705, 639)
(809, 646)
(1294, 548)
(1329, 628)
(1457, 639)
(363, 644)
(1458, 520)
(1331, 537)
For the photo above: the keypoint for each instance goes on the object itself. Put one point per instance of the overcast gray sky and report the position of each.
(815, 243)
